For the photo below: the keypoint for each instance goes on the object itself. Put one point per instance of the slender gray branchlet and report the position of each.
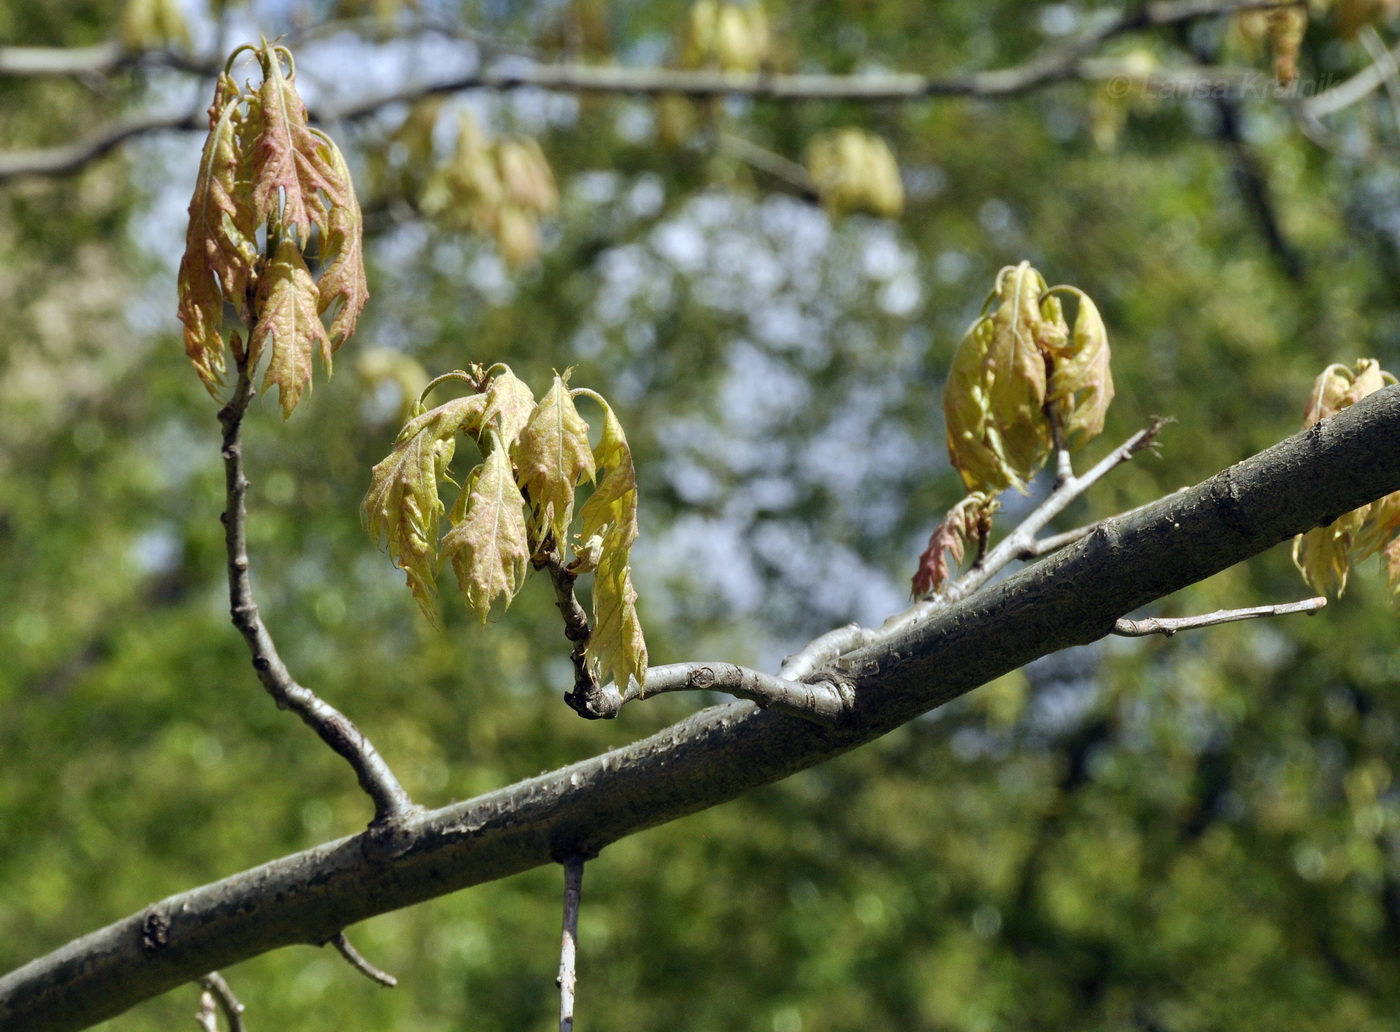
(218, 991)
(568, 946)
(391, 802)
(1170, 625)
(826, 650)
(822, 701)
(1069, 61)
(357, 960)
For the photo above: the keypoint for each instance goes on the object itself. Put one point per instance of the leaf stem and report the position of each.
(391, 802)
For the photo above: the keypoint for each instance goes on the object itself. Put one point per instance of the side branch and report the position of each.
(1071, 598)
(1168, 626)
(823, 702)
(391, 802)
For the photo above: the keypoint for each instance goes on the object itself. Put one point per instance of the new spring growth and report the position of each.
(272, 192)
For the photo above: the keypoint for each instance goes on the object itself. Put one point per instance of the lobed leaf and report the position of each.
(292, 168)
(343, 279)
(967, 521)
(487, 545)
(509, 403)
(616, 647)
(220, 242)
(611, 512)
(402, 507)
(1081, 383)
(287, 325)
(553, 457)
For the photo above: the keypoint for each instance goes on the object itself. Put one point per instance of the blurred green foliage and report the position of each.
(1180, 834)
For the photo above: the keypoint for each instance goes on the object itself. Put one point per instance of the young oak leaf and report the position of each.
(1081, 384)
(969, 520)
(291, 165)
(402, 507)
(287, 324)
(611, 512)
(1015, 370)
(487, 545)
(220, 245)
(343, 279)
(553, 457)
(616, 647)
(1325, 555)
(509, 402)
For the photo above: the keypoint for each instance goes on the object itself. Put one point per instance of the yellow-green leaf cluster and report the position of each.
(1325, 555)
(147, 24)
(854, 171)
(733, 37)
(516, 507)
(500, 188)
(266, 173)
(1021, 379)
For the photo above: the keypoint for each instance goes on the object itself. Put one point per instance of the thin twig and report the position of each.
(1170, 625)
(391, 802)
(822, 702)
(1064, 63)
(764, 160)
(1350, 91)
(357, 961)
(568, 946)
(217, 990)
(1384, 61)
(587, 698)
(831, 646)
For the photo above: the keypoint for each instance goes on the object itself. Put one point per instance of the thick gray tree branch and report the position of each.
(1071, 598)
(1064, 62)
(391, 803)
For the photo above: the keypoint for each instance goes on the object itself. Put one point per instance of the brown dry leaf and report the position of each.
(287, 325)
(487, 544)
(966, 521)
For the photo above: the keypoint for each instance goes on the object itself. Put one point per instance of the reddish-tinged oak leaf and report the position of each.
(969, 520)
(487, 545)
(553, 457)
(291, 166)
(287, 325)
(220, 244)
(616, 647)
(343, 280)
(509, 404)
(402, 507)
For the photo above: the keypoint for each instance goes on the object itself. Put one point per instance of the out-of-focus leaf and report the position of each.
(148, 24)
(220, 245)
(343, 280)
(553, 457)
(292, 167)
(734, 37)
(969, 520)
(854, 171)
(487, 545)
(402, 507)
(287, 324)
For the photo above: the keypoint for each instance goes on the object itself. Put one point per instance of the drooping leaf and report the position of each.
(966, 521)
(220, 244)
(487, 545)
(342, 246)
(1325, 555)
(616, 646)
(402, 507)
(1081, 384)
(1015, 371)
(612, 509)
(553, 457)
(286, 323)
(291, 166)
(509, 403)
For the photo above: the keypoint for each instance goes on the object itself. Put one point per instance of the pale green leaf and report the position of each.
(509, 403)
(616, 646)
(553, 457)
(487, 546)
(343, 281)
(286, 324)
